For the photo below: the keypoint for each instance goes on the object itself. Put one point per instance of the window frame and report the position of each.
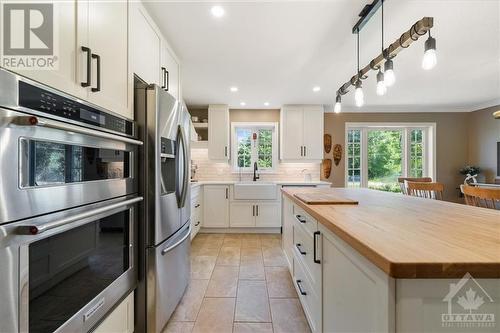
(429, 147)
(254, 126)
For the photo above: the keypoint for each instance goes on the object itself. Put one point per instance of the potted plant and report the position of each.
(470, 172)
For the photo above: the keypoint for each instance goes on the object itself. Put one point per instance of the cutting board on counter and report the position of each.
(324, 198)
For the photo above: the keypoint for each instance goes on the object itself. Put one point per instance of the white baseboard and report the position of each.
(241, 230)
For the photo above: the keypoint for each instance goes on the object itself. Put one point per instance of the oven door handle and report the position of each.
(32, 229)
(37, 121)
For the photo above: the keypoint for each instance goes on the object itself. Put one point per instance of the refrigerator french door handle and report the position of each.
(179, 242)
(186, 168)
(178, 181)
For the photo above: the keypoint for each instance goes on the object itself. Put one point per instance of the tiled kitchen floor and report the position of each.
(239, 283)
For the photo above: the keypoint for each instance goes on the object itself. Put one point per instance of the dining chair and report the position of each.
(425, 190)
(401, 181)
(481, 196)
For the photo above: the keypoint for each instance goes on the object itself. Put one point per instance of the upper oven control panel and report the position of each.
(41, 100)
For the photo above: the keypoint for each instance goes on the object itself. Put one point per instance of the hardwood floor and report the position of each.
(239, 283)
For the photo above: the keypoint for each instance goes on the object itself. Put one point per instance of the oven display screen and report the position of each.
(93, 117)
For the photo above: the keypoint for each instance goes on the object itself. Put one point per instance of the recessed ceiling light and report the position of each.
(233, 89)
(218, 11)
(243, 103)
(316, 88)
(266, 103)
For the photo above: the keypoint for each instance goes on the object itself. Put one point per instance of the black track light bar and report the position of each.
(420, 28)
(366, 14)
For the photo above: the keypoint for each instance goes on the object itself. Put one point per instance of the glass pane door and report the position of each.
(69, 269)
(385, 159)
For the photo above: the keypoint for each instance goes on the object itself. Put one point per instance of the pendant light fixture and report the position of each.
(338, 104)
(430, 60)
(359, 97)
(381, 87)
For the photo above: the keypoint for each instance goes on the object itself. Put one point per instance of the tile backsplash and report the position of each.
(209, 170)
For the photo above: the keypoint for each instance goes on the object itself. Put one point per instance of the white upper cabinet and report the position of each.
(64, 77)
(107, 37)
(301, 136)
(145, 42)
(218, 132)
(169, 79)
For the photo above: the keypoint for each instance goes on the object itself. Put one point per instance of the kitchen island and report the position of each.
(393, 262)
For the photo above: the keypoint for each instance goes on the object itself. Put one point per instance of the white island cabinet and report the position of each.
(345, 271)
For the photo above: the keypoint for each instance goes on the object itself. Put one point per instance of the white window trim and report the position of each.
(234, 146)
(429, 146)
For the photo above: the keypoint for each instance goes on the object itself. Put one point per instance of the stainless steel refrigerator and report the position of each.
(164, 160)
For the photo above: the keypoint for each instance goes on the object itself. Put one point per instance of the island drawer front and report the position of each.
(304, 220)
(311, 301)
(304, 251)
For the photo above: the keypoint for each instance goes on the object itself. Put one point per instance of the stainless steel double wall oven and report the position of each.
(68, 209)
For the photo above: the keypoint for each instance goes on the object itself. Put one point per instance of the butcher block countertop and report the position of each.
(410, 237)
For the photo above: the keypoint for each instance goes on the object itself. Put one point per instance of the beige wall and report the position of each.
(451, 142)
(484, 133)
(246, 115)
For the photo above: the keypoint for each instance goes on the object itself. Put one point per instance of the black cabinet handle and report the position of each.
(300, 219)
(197, 205)
(298, 245)
(89, 67)
(197, 224)
(163, 69)
(98, 58)
(299, 285)
(167, 80)
(305, 151)
(316, 233)
(301, 150)
(225, 151)
(227, 193)
(257, 210)
(253, 210)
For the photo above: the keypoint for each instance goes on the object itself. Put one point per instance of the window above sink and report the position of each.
(254, 142)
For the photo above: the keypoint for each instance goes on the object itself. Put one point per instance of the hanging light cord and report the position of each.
(382, 26)
(357, 34)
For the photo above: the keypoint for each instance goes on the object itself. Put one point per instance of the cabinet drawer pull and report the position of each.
(316, 233)
(301, 150)
(300, 219)
(253, 210)
(197, 223)
(298, 245)
(257, 210)
(98, 86)
(89, 67)
(197, 205)
(167, 79)
(227, 193)
(305, 151)
(299, 285)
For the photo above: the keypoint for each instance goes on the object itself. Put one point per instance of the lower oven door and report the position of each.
(168, 277)
(73, 266)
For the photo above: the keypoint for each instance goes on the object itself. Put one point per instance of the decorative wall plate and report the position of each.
(337, 153)
(327, 143)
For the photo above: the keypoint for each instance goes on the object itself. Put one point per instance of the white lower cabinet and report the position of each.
(196, 210)
(339, 289)
(255, 214)
(121, 320)
(242, 214)
(216, 206)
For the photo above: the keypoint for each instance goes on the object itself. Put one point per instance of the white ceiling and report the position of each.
(276, 51)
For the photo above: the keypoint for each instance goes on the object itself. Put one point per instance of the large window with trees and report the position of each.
(254, 142)
(377, 154)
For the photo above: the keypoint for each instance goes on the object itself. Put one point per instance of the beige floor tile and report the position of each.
(229, 256)
(271, 242)
(251, 253)
(279, 283)
(179, 327)
(188, 308)
(232, 242)
(288, 316)
(270, 236)
(203, 251)
(273, 256)
(202, 266)
(253, 328)
(224, 282)
(252, 270)
(216, 315)
(251, 242)
(252, 302)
